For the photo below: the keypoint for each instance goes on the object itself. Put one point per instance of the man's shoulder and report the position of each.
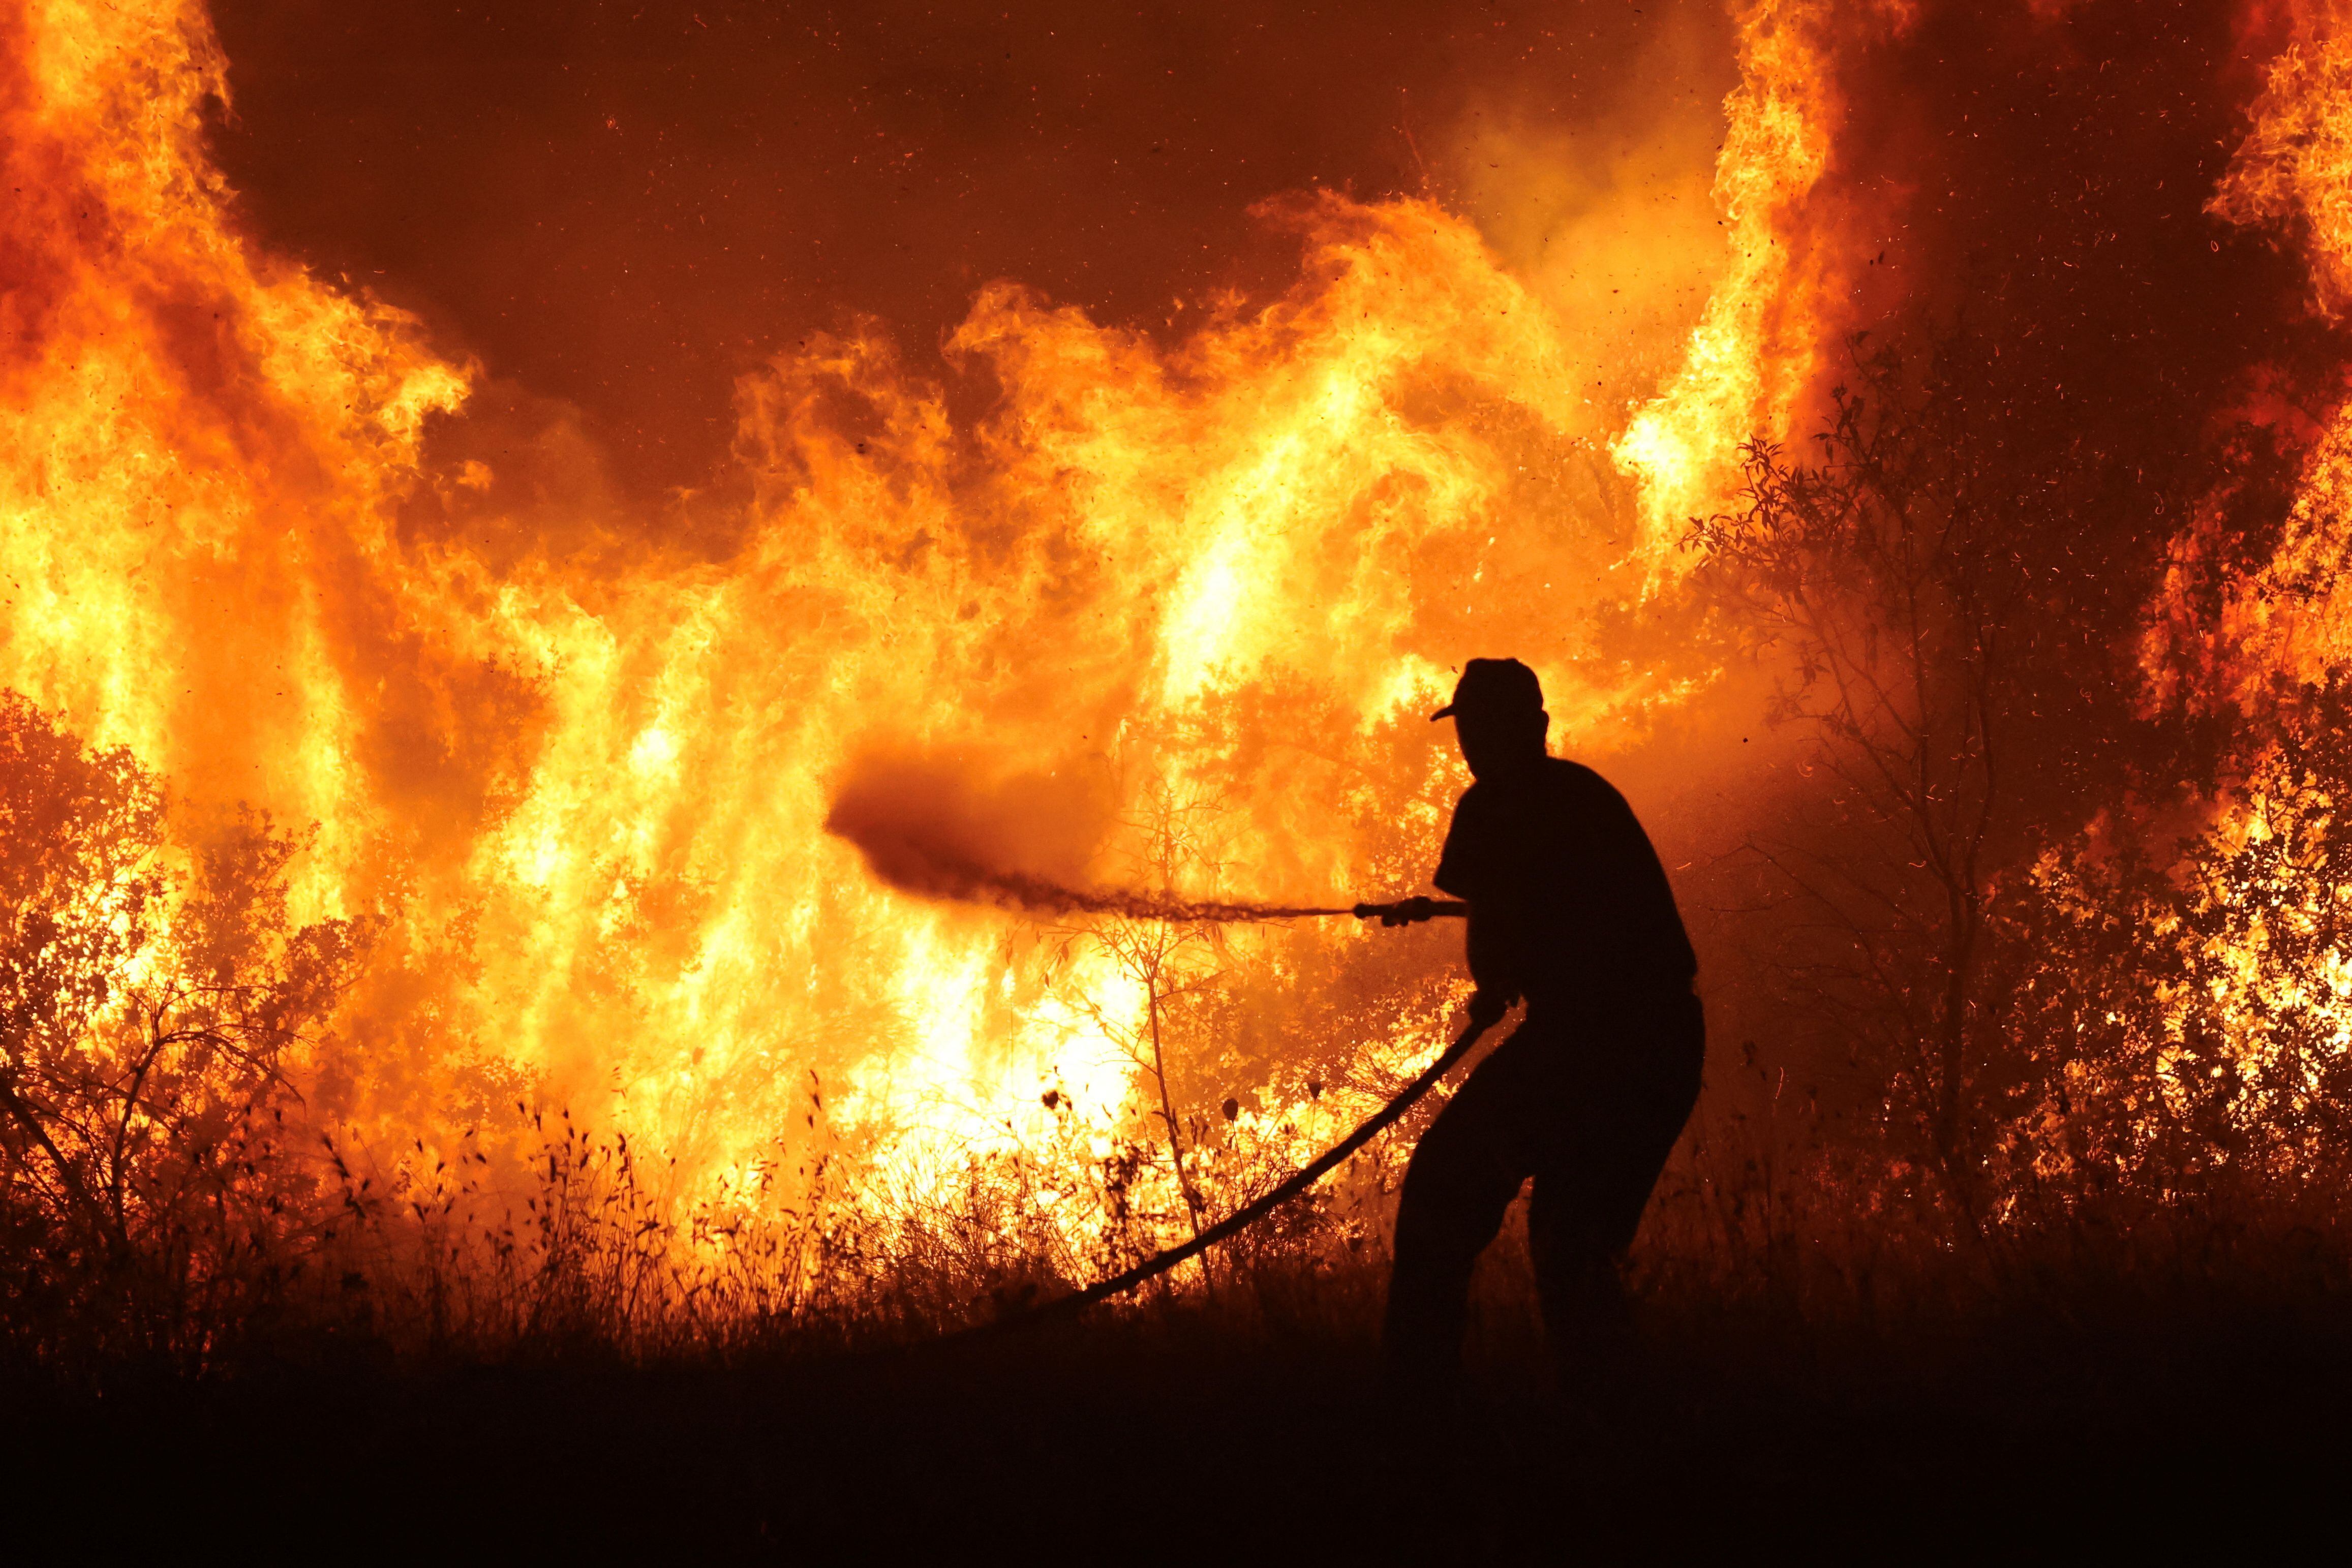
(1558, 785)
(1575, 779)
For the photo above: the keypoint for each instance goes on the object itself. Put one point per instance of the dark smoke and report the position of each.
(1020, 843)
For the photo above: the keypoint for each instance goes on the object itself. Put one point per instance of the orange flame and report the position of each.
(1190, 601)
(1756, 348)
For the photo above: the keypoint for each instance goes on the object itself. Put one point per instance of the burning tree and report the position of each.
(1968, 597)
(1887, 576)
(148, 1021)
(1955, 651)
(2191, 1008)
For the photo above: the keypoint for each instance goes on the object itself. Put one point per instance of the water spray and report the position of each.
(940, 856)
(1029, 893)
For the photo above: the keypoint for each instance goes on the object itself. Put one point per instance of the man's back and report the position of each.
(1554, 857)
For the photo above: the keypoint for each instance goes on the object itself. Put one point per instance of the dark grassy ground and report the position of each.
(2146, 1426)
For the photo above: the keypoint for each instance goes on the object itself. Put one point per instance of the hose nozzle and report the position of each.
(1412, 910)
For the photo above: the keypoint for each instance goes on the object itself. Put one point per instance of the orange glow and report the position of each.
(2292, 617)
(1215, 583)
(1760, 340)
(1169, 614)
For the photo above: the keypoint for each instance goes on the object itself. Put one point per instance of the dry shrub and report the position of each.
(151, 999)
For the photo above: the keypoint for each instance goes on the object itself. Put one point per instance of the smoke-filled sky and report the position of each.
(622, 206)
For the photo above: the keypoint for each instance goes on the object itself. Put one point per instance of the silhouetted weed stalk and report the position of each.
(583, 1248)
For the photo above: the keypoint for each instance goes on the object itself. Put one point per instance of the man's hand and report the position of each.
(1407, 912)
(1487, 1008)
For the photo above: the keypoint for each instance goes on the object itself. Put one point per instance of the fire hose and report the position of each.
(1159, 1263)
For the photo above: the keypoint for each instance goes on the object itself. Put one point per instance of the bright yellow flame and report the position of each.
(1231, 572)
(1756, 343)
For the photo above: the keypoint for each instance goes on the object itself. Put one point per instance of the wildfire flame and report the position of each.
(661, 835)
(1213, 585)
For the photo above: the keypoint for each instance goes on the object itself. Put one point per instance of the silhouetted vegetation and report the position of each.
(2051, 983)
(149, 1199)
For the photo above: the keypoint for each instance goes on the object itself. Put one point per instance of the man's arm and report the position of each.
(1465, 868)
(1493, 955)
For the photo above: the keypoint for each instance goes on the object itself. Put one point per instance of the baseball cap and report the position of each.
(1495, 685)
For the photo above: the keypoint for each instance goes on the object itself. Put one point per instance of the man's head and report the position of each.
(1498, 715)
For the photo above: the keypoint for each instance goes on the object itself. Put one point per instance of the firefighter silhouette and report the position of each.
(1569, 911)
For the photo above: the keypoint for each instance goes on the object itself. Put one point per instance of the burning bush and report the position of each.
(150, 1016)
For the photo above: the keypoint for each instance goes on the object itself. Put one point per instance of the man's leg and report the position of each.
(1623, 1104)
(1585, 1313)
(1465, 1173)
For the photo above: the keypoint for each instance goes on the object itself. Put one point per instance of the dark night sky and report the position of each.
(622, 206)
